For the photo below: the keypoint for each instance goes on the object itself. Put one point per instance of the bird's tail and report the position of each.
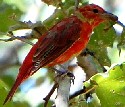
(25, 71)
(20, 78)
(13, 89)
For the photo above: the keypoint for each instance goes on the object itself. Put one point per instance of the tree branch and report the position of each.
(63, 91)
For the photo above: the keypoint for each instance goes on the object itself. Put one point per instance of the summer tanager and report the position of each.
(62, 42)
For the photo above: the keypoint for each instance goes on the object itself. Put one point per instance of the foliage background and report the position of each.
(108, 48)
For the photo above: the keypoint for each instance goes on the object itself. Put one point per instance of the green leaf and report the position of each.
(121, 39)
(6, 14)
(100, 40)
(111, 87)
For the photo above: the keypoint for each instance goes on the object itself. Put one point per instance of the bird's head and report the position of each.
(94, 14)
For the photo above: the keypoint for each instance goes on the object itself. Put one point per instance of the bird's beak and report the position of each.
(109, 16)
(112, 17)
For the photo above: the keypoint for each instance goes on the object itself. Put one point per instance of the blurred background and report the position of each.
(12, 53)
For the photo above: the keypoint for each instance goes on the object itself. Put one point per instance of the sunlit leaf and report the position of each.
(111, 87)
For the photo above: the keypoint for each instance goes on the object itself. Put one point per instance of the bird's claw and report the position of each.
(62, 75)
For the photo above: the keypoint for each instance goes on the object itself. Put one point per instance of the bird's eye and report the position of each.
(95, 10)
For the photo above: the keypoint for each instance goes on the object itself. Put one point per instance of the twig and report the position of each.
(76, 94)
(37, 30)
(82, 91)
(76, 4)
(49, 94)
(22, 38)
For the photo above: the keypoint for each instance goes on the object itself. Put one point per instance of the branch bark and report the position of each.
(63, 90)
(86, 63)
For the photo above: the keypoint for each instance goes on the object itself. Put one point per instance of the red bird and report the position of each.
(63, 41)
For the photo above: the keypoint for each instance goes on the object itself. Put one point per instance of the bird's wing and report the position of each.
(57, 41)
